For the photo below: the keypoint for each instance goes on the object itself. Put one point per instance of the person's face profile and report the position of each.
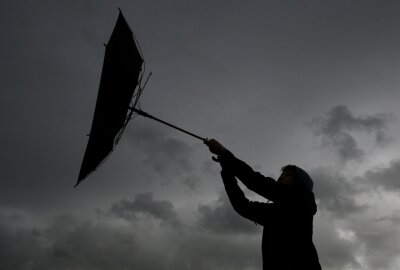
(286, 177)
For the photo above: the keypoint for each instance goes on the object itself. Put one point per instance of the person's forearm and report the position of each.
(239, 168)
(235, 194)
(254, 211)
(264, 186)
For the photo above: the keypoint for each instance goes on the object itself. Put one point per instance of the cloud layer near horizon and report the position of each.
(147, 233)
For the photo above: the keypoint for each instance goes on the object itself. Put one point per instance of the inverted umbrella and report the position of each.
(118, 97)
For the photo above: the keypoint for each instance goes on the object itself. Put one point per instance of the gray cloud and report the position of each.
(8, 215)
(159, 147)
(217, 239)
(221, 218)
(336, 126)
(355, 237)
(381, 242)
(166, 157)
(19, 248)
(201, 251)
(144, 204)
(335, 193)
(393, 218)
(333, 251)
(97, 245)
(386, 178)
(61, 225)
(66, 244)
(101, 243)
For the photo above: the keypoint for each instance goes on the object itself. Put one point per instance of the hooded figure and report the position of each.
(287, 220)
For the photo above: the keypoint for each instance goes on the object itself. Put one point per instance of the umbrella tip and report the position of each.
(80, 178)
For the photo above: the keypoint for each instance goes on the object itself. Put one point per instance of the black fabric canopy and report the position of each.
(119, 79)
(123, 70)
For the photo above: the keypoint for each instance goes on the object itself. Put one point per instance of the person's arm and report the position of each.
(255, 211)
(264, 186)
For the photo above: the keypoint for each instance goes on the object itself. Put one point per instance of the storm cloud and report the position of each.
(220, 218)
(336, 129)
(166, 157)
(386, 177)
(101, 243)
(336, 193)
(357, 238)
(144, 204)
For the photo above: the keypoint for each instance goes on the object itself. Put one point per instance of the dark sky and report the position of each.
(312, 83)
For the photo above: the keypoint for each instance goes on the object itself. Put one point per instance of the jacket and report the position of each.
(287, 221)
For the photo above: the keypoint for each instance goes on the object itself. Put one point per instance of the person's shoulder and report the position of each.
(305, 201)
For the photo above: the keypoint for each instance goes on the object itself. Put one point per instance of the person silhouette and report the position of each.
(287, 220)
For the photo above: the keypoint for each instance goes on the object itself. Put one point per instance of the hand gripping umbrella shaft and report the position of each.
(145, 114)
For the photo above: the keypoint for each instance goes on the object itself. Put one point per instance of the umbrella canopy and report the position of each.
(119, 79)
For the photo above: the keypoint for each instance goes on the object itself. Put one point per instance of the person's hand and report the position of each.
(215, 147)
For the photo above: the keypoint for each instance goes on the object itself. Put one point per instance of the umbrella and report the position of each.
(118, 97)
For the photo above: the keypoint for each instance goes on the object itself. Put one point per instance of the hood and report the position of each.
(313, 205)
(303, 180)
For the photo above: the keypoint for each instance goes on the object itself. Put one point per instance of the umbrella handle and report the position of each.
(145, 114)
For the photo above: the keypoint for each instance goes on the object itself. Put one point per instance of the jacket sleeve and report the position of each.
(255, 211)
(264, 186)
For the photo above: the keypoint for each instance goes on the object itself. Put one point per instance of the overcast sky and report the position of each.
(312, 83)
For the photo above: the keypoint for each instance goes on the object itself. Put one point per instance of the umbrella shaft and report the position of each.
(145, 114)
